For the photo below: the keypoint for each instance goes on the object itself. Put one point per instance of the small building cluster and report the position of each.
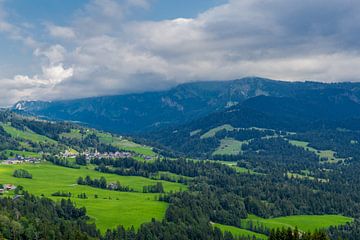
(20, 160)
(107, 155)
(69, 154)
(92, 155)
(110, 155)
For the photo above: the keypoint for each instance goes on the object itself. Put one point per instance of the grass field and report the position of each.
(212, 132)
(21, 153)
(172, 176)
(303, 222)
(110, 209)
(323, 154)
(195, 132)
(305, 176)
(116, 141)
(240, 232)
(74, 133)
(229, 146)
(234, 165)
(27, 134)
(131, 146)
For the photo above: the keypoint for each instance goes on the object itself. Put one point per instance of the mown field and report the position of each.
(109, 208)
(302, 222)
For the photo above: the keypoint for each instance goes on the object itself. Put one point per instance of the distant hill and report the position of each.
(136, 113)
(331, 108)
(32, 136)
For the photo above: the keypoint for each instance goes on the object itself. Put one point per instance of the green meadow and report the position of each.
(27, 134)
(116, 141)
(229, 146)
(323, 154)
(212, 132)
(240, 232)
(10, 153)
(109, 208)
(304, 223)
(234, 165)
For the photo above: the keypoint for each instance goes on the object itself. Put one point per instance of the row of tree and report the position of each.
(102, 183)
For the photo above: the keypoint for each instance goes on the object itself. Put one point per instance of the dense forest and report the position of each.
(30, 217)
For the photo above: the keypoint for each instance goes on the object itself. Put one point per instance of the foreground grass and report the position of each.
(238, 232)
(304, 223)
(109, 208)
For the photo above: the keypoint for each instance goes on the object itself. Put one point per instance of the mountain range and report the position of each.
(286, 104)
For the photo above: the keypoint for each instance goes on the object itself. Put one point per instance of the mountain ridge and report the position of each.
(139, 112)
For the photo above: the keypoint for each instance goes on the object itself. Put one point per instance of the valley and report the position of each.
(237, 172)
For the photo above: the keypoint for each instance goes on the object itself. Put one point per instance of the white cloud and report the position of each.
(61, 32)
(54, 54)
(31, 88)
(313, 40)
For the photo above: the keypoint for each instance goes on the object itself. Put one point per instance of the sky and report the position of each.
(56, 49)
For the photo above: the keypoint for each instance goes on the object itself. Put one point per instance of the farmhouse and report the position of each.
(9, 187)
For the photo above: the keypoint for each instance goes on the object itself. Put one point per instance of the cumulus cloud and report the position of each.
(30, 88)
(106, 53)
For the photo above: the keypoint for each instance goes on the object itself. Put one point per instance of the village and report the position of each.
(107, 155)
(19, 159)
(92, 155)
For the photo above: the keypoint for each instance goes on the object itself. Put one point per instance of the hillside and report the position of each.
(270, 160)
(51, 153)
(267, 178)
(320, 111)
(135, 113)
(31, 136)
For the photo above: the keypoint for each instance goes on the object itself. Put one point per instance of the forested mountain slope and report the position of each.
(148, 111)
(321, 110)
